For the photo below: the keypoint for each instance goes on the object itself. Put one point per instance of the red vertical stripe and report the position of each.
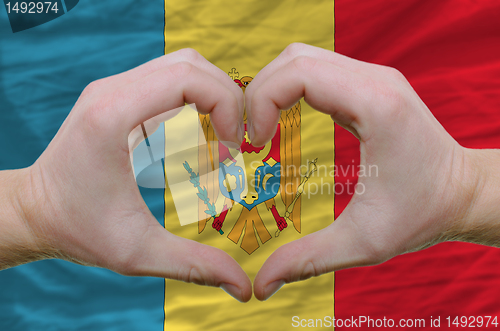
(450, 53)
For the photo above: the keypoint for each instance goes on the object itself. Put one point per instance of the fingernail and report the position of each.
(230, 144)
(241, 132)
(232, 290)
(247, 103)
(272, 288)
(250, 131)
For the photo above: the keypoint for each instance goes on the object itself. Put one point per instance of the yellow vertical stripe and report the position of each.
(246, 35)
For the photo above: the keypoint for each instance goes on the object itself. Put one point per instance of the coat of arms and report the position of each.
(262, 190)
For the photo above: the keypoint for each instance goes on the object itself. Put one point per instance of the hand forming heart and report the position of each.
(80, 201)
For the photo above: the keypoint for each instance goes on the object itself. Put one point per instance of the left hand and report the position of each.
(80, 200)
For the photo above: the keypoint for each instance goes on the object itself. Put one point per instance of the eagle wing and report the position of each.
(290, 157)
(208, 163)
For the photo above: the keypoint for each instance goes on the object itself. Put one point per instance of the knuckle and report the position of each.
(194, 276)
(393, 73)
(376, 251)
(390, 100)
(93, 88)
(396, 74)
(191, 274)
(97, 116)
(181, 69)
(304, 63)
(311, 269)
(295, 49)
(189, 54)
(126, 264)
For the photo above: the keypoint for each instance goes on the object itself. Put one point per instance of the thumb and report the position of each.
(332, 248)
(168, 256)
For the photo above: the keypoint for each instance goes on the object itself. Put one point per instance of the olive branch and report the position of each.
(194, 178)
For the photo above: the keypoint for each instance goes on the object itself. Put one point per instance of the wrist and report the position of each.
(479, 221)
(19, 244)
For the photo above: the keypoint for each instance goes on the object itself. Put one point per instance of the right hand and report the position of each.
(425, 183)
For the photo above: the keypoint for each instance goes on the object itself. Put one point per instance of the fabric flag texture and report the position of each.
(449, 51)
(43, 71)
(250, 201)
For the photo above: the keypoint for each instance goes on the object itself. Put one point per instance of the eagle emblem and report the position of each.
(260, 195)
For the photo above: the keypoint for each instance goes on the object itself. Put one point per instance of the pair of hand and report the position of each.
(80, 201)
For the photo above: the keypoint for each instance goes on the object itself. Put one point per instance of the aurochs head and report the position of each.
(254, 177)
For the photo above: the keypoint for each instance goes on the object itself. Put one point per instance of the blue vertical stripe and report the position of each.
(42, 72)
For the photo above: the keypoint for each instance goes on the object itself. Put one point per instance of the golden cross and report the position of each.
(234, 74)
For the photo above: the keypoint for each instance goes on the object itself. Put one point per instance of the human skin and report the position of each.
(429, 189)
(79, 201)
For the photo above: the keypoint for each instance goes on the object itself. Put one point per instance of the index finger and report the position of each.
(185, 55)
(344, 95)
(116, 114)
(295, 50)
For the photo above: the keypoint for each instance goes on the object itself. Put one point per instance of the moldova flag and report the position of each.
(448, 50)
